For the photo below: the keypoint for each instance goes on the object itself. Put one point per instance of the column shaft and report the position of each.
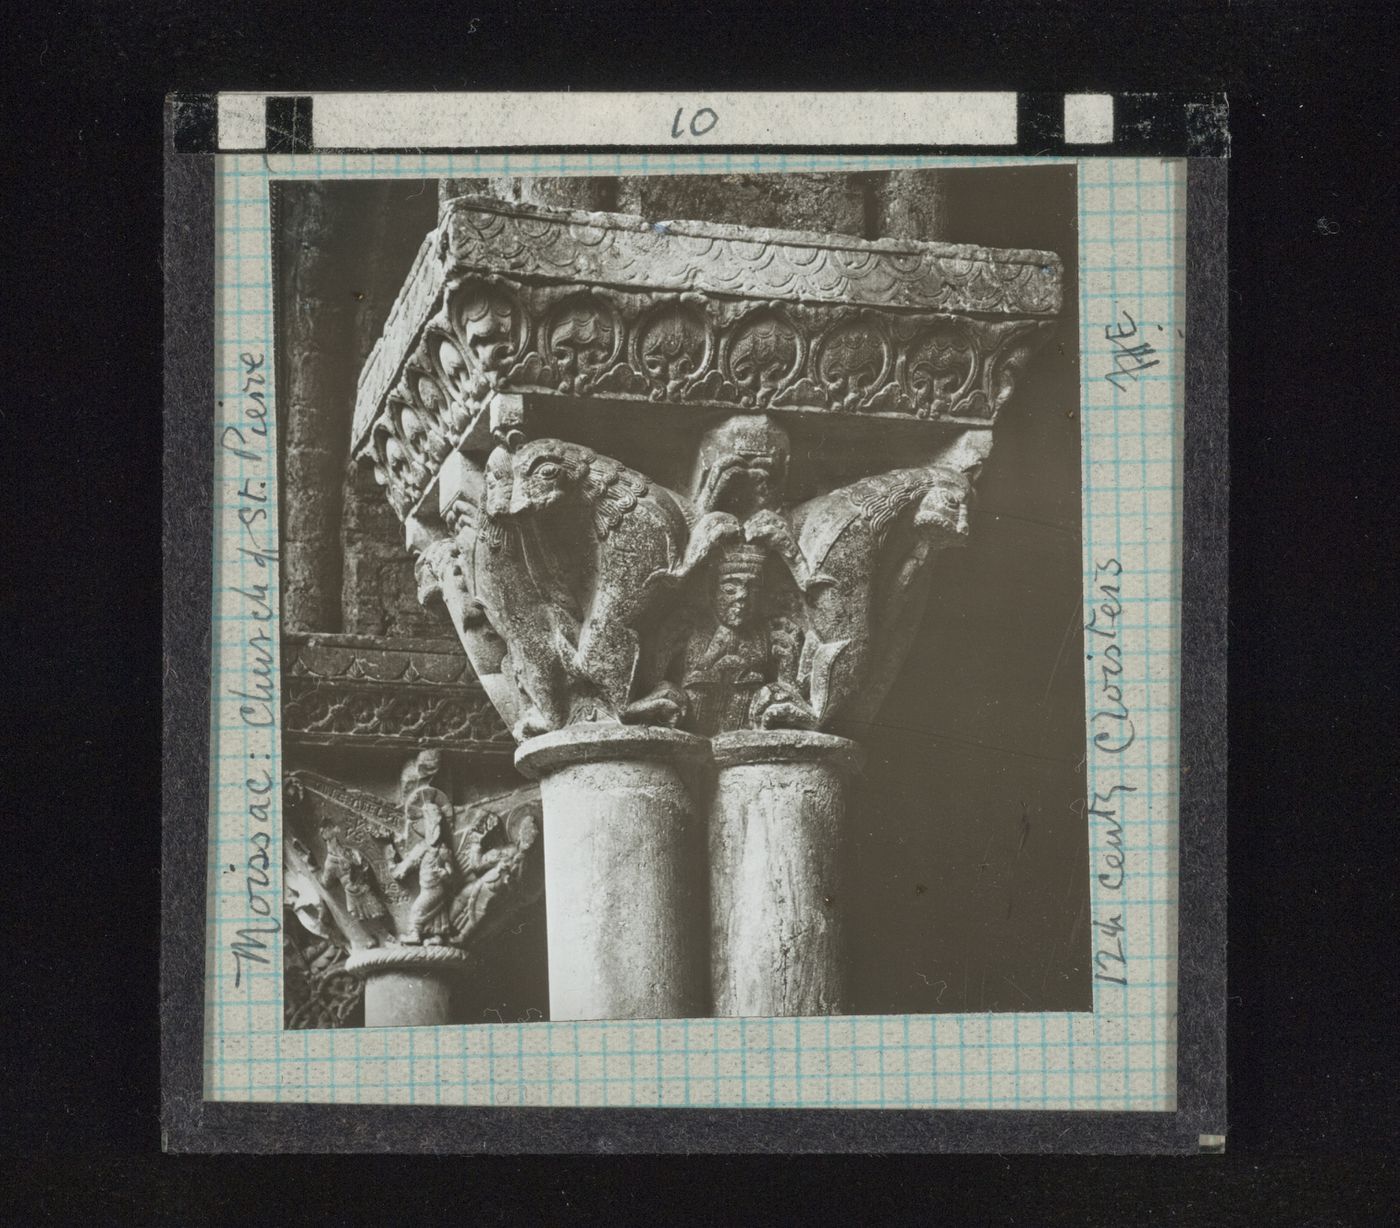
(407, 986)
(405, 999)
(776, 820)
(623, 878)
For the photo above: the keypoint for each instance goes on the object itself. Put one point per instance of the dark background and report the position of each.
(1312, 838)
(967, 855)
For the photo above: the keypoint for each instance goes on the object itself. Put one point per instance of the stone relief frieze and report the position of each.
(352, 690)
(717, 259)
(491, 337)
(516, 298)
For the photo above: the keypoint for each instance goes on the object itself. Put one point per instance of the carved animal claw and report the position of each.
(779, 707)
(767, 528)
(666, 706)
(710, 530)
(787, 715)
(530, 725)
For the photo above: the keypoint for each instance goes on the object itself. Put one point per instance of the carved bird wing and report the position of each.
(873, 501)
(381, 817)
(612, 491)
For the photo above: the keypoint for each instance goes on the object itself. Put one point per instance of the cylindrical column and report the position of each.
(624, 887)
(776, 825)
(406, 986)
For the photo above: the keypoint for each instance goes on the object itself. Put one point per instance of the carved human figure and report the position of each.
(428, 919)
(741, 581)
(741, 476)
(492, 855)
(347, 867)
(563, 570)
(739, 666)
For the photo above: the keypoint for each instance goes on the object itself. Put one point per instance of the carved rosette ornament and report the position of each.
(691, 478)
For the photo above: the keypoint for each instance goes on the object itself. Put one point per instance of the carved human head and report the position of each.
(522, 824)
(738, 573)
(742, 465)
(421, 770)
(433, 820)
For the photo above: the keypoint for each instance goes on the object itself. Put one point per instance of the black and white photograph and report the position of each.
(681, 596)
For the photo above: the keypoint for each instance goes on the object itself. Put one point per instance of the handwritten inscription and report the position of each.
(1130, 355)
(701, 123)
(1111, 956)
(253, 408)
(1114, 730)
(248, 945)
(255, 545)
(245, 441)
(1111, 952)
(1113, 733)
(1104, 808)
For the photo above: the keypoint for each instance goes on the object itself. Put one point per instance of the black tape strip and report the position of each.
(1040, 123)
(1207, 127)
(289, 125)
(1148, 124)
(194, 121)
(187, 541)
(1205, 576)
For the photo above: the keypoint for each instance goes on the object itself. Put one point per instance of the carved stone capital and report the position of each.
(420, 873)
(686, 474)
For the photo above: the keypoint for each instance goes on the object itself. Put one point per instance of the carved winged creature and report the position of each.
(573, 542)
(873, 538)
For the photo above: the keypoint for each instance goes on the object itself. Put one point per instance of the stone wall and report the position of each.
(343, 252)
(969, 858)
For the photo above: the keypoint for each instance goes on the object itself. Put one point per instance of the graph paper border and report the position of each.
(193, 1124)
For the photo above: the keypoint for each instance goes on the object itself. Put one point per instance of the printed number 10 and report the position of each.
(700, 123)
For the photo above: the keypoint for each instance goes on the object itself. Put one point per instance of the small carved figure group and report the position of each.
(451, 892)
(348, 868)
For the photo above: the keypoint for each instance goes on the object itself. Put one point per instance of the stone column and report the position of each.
(407, 986)
(623, 871)
(777, 815)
